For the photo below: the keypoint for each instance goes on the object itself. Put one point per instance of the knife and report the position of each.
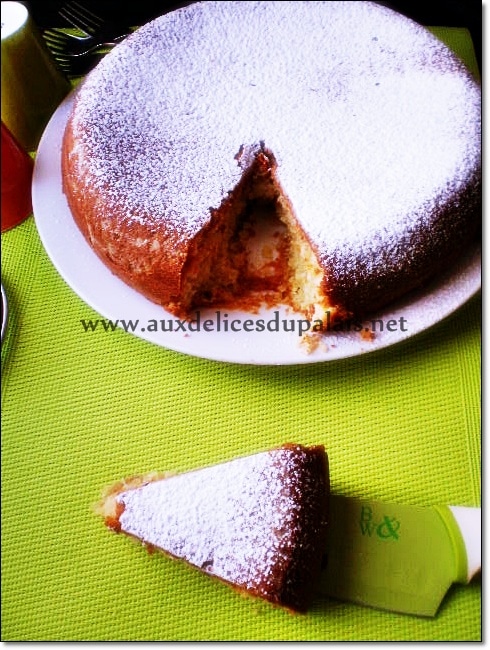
(399, 557)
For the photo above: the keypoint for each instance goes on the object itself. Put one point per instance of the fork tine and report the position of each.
(55, 39)
(56, 50)
(87, 14)
(60, 43)
(55, 43)
(79, 66)
(55, 35)
(80, 17)
(68, 59)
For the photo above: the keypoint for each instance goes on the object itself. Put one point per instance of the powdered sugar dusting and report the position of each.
(240, 520)
(374, 124)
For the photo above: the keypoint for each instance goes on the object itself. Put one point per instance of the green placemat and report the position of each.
(81, 410)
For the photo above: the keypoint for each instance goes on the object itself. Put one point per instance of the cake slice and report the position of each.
(258, 523)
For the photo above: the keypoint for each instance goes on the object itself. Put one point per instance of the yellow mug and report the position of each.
(32, 86)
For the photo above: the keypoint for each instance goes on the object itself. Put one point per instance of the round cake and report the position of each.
(325, 155)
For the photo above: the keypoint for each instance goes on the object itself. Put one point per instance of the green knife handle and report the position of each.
(464, 527)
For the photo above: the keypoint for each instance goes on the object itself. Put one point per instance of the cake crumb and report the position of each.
(367, 334)
(311, 342)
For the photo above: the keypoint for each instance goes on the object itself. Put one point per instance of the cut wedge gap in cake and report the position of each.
(253, 253)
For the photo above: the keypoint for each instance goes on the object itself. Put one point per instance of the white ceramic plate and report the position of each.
(5, 312)
(260, 339)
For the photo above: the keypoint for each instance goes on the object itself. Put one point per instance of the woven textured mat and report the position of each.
(82, 409)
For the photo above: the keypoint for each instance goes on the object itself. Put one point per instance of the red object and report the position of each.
(17, 167)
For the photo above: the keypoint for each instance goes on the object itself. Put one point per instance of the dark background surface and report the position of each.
(448, 13)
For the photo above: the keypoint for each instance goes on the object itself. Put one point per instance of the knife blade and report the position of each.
(399, 557)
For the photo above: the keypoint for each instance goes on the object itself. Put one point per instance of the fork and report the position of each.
(75, 56)
(86, 21)
(78, 66)
(63, 44)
